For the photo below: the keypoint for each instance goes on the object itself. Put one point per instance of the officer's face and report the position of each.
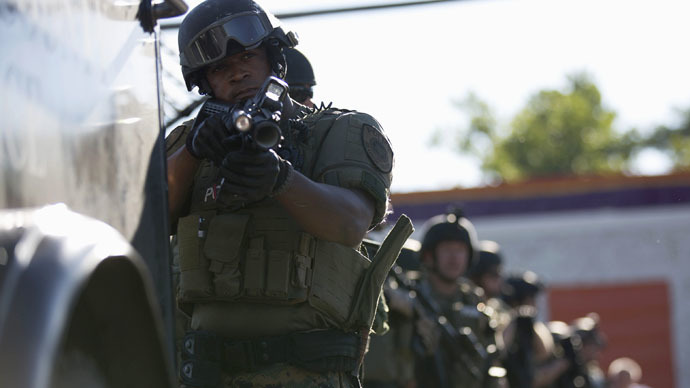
(451, 259)
(239, 76)
(491, 282)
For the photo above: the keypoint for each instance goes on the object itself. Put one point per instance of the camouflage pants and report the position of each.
(288, 376)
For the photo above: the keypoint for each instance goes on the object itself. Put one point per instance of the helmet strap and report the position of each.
(276, 58)
(204, 86)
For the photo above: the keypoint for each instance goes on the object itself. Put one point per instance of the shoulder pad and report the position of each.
(354, 153)
(376, 144)
(177, 137)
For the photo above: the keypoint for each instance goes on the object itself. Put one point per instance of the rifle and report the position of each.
(519, 360)
(461, 344)
(258, 119)
(576, 375)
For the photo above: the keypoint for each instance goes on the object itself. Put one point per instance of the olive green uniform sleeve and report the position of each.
(356, 154)
(177, 138)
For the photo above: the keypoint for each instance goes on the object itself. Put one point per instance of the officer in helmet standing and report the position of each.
(574, 359)
(271, 267)
(300, 77)
(593, 342)
(487, 273)
(449, 248)
(529, 343)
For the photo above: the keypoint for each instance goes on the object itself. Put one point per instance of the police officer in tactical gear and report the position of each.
(487, 272)
(574, 362)
(272, 272)
(449, 248)
(563, 364)
(593, 342)
(300, 77)
(522, 289)
(529, 342)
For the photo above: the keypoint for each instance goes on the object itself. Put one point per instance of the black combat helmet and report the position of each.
(450, 227)
(217, 28)
(518, 288)
(490, 257)
(300, 75)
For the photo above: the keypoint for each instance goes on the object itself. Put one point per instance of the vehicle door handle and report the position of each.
(149, 13)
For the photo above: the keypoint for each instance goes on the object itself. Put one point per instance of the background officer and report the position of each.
(300, 77)
(593, 342)
(528, 341)
(449, 248)
(487, 273)
(574, 362)
(270, 260)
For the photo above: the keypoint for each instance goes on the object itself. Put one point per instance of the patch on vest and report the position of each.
(378, 149)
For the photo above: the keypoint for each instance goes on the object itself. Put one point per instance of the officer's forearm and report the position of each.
(181, 169)
(329, 212)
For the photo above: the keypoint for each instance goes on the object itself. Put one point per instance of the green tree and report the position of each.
(673, 141)
(557, 133)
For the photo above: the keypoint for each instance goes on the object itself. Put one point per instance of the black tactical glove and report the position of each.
(205, 141)
(251, 175)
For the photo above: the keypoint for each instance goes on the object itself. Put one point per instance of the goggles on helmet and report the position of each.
(209, 45)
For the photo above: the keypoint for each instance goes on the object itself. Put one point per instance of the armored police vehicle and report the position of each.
(84, 269)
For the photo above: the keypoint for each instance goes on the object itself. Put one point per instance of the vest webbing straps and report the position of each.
(205, 355)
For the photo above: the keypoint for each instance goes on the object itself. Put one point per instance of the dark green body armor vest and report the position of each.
(258, 257)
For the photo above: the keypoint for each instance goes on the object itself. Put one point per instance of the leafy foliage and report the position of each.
(557, 133)
(675, 142)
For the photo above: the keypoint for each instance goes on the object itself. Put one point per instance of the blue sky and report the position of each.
(406, 66)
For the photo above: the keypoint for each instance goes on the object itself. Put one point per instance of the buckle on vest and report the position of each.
(302, 278)
(303, 261)
(200, 373)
